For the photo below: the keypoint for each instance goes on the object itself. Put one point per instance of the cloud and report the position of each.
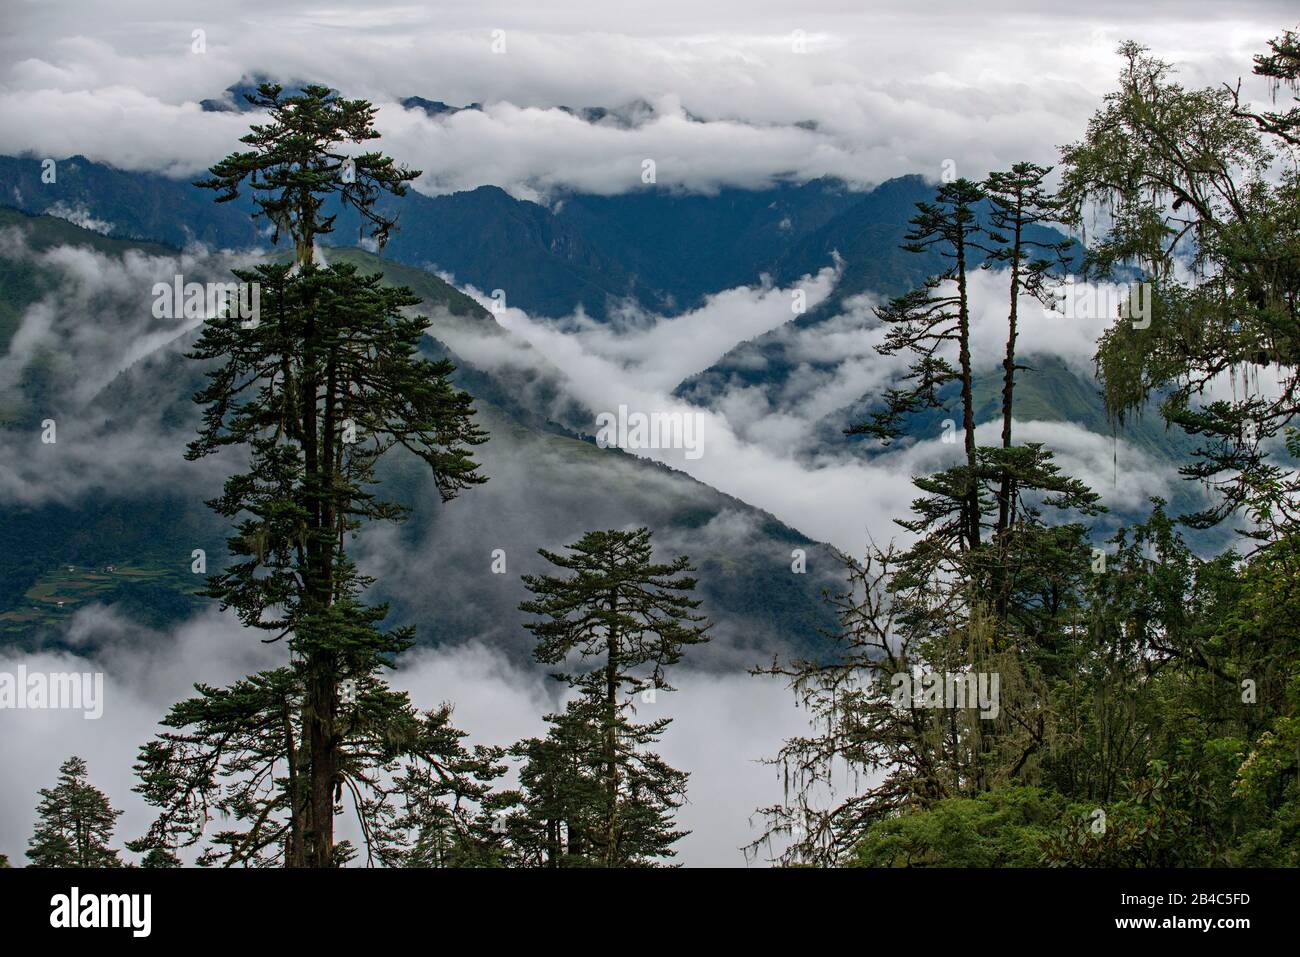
(90, 338)
(723, 723)
(752, 438)
(97, 319)
(723, 726)
(658, 353)
(735, 101)
(145, 672)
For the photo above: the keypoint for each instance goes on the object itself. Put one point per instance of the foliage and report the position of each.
(594, 774)
(75, 823)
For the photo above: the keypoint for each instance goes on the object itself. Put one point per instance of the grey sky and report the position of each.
(878, 89)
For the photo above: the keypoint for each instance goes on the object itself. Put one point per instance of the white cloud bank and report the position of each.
(839, 498)
(874, 93)
(722, 723)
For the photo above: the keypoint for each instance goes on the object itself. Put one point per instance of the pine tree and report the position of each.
(1019, 202)
(321, 385)
(560, 780)
(440, 810)
(924, 322)
(632, 618)
(236, 753)
(1281, 67)
(954, 601)
(76, 823)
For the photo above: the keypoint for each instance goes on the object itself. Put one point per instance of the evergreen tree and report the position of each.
(924, 322)
(954, 601)
(440, 810)
(326, 380)
(296, 164)
(561, 783)
(1281, 67)
(632, 618)
(1018, 202)
(236, 753)
(75, 823)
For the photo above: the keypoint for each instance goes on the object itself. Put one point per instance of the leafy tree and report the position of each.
(1149, 693)
(633, 618)
(1185, 179)
(1005, 828)
(75, 823)
(315, 390)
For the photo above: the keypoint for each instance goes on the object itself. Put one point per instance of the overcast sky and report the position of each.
(880, 89)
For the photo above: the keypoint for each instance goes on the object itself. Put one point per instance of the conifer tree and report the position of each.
(1018, 202)
(953, 602)
(315, 390)
(235, 753)
(924, 322)
(632, 618)
(560, 781)
(1281, 67)
(75, 823)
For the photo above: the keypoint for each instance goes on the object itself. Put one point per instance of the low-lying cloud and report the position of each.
(722, 723)
(740, 96)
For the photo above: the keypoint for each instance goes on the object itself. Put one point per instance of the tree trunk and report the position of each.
(1001, 585)
(972, 508)
(322, 716)
(1009, 379)
(295, 852)
(611, 741)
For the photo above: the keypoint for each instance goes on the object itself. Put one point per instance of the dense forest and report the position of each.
(1006, 686)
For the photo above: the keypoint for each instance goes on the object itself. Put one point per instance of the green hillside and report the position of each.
(546, 486)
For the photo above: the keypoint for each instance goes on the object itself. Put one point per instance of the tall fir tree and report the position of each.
(633, 618)
(315, 390)
(1018, 202)
(75, 823)
(954, 601)
(925, 322)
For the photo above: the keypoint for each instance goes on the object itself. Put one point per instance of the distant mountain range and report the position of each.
(654, 249)
(661, 250)
(546, 486)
